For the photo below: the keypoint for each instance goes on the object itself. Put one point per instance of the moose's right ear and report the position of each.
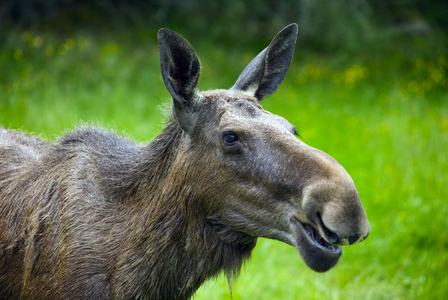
(180, 71)
(265, 73)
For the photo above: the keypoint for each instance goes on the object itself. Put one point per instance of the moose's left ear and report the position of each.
(265, 73)
(180, 71)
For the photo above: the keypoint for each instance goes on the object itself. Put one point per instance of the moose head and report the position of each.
(253, 177)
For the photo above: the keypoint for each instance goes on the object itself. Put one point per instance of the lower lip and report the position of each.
(310, 240)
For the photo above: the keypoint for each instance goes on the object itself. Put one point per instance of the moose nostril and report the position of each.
(354, 238)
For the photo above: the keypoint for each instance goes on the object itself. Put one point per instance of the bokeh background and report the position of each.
(368, 85)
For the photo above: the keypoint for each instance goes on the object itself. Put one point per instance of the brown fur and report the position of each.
(96, 216)
(121, 240)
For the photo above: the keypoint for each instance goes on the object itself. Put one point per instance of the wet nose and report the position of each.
(336, 238)
(354, 238)
(357, 238)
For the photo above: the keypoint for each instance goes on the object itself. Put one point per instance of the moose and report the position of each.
(96, 216)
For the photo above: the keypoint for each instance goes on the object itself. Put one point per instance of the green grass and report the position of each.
(385, 119)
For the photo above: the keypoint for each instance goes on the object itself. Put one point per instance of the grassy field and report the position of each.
(384, 118)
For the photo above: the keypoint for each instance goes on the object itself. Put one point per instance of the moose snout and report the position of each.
(337, 212)
(343, 240)
(354, 236)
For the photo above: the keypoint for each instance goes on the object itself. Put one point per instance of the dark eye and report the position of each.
(229, 138)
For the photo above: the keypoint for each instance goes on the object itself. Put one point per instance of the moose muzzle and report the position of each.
(331, 213)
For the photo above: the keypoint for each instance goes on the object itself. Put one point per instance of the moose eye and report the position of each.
(229, 138)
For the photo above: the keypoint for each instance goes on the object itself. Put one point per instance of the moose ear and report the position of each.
(265, 73)
(180, 71)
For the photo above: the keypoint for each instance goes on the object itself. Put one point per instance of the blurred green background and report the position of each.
(368, 85)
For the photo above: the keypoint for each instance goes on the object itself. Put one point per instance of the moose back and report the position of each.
(96, 216)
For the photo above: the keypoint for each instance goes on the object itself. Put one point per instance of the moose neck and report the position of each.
(191, 247)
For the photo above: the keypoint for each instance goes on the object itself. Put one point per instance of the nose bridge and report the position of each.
(331, 201)
(318, 166)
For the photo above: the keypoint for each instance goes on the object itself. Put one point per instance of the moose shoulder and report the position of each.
(95, 216)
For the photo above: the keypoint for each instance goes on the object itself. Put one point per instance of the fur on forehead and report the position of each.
(230, 96)
(233, 102)
(242, 108)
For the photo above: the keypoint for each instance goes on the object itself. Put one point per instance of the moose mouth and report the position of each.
(315, 251)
